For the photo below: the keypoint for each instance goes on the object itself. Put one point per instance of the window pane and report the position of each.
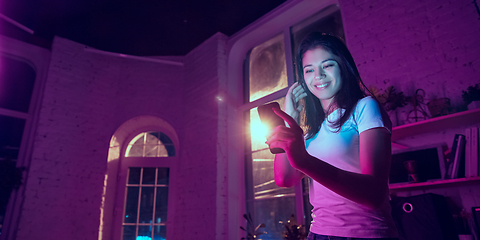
(271, 212)
(11, 131)
(161, 205)
(170, 150)
(131, 205)
(129, 232)
(160, 233)
(163, 175)
(327, 21)
(17, 83)
(146, 205)
(168, 145)
(150, 144)
(144, 233)
(148, 176)
(263, 177)
(267, 68)
(153, 205)
(134, 175)
(151, 150)
(135, 147)
(258, 130)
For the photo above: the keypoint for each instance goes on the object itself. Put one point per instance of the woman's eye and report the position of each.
(327, 66)
(308, 70)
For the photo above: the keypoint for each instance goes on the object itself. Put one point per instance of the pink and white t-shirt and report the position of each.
(333, 214)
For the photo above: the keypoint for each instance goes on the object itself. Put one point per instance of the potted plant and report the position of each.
(293, 231)
(471, 97)
(391, 100)
(252, 234)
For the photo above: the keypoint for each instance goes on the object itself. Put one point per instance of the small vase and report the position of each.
(474, 105)
(393, 117)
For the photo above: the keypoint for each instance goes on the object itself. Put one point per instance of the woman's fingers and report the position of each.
(291, 122)
(298, 92)
(297, 89)
(280, 134)
(300, 108)
(297, 98)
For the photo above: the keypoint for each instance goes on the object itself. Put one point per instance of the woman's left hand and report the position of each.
(289, 139)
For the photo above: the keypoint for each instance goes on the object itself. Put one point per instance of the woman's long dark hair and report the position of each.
(350, 91)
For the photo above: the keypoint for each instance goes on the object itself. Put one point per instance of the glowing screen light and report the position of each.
(258, 131)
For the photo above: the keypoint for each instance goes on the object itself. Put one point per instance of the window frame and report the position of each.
(126, 162)
(38, 58)
(279, 19)
(247, 106)
(301, 197)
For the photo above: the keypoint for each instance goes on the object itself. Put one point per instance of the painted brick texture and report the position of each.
(414, 44)
(196, 204)
(87, 96)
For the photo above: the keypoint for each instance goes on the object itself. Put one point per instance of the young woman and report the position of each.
(346, 149)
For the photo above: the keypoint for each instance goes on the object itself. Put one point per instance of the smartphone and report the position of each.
(271, 120)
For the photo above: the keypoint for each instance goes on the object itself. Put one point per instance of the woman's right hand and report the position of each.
(294, 94)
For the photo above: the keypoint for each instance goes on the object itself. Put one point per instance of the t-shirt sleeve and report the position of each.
(368, 115)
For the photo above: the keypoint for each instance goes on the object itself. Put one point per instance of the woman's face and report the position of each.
(322, 74)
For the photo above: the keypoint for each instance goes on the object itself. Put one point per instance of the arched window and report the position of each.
(139, 182)
(146, 188)
(150, 144)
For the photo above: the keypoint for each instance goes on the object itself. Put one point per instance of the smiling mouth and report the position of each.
(321, 86)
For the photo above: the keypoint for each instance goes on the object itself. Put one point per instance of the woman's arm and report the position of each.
(285, 174)
(369, 188)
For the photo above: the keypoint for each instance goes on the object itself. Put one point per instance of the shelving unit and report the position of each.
(460, 119)
(410, 186)
(456, 120)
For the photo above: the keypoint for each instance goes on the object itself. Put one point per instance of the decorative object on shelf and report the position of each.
(252, 233)
(471, 97)
(465, 225)
(292, 230)
(418, 113)
(391, 100)
(440, 107)
(411, 167)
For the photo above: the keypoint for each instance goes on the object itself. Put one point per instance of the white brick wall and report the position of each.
(413, 44)
(197, 207)
(87, 96)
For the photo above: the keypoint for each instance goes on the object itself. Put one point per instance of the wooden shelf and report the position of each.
(460, 119)
(409, 186)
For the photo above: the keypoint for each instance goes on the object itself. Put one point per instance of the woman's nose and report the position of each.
(320, 74)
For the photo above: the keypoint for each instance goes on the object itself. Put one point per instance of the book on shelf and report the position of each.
(456, 161)
(474, 154)
(471, 152)
(468, 152)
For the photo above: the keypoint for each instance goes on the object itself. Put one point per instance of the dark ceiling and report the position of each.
(135, 27)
